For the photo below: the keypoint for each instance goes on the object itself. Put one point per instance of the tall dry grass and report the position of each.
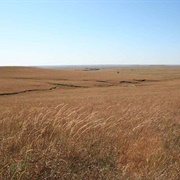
(63, 142)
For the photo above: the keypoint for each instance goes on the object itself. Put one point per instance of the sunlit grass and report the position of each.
(108, 130)
(66, 143)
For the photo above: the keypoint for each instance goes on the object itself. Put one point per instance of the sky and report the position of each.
(89, 32)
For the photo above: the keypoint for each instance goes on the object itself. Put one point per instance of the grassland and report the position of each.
(113, 123)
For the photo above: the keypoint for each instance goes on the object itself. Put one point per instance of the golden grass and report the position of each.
(129, 131)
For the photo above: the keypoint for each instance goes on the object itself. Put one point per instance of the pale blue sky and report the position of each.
(89, 32)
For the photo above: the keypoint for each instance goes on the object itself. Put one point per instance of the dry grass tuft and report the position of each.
(66, 143)
(55, 143)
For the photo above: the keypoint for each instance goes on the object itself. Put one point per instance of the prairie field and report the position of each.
(85, 123)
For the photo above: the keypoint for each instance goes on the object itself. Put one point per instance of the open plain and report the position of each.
(87, 123)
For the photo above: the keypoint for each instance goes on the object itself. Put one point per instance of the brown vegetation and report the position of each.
(91, 125)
